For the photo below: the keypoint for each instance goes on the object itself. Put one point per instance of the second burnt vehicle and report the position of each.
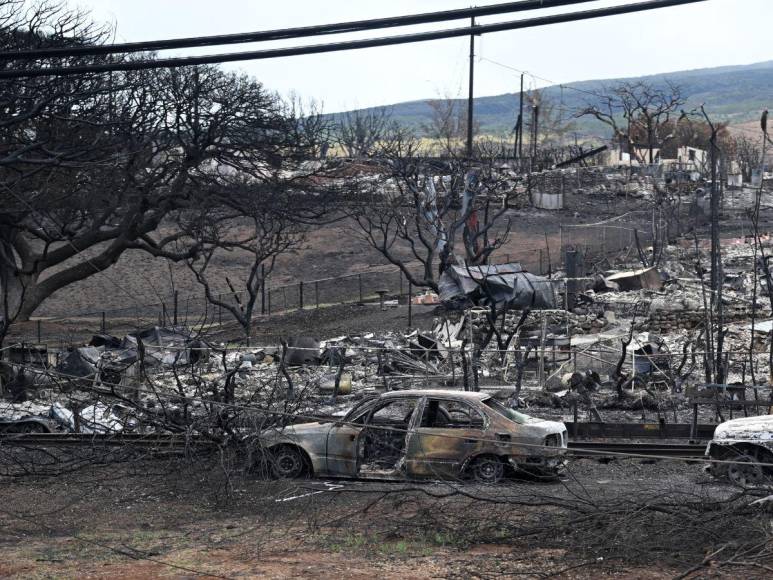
(419, 434)
(742, 451)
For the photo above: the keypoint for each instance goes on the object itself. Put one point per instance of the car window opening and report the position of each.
(440, 414)
(506, 412)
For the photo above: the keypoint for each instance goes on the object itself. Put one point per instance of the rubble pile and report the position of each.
(634, 341)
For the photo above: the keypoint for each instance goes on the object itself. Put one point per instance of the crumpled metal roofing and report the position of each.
(507, 284)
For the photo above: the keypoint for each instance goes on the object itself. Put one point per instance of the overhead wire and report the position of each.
(291, 33)
(346, 45)
(537, 77)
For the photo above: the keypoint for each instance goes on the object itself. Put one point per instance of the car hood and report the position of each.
(545, 427)
(748, 428)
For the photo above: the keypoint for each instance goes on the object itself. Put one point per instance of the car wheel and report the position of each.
(287, 463)
(31, 428)
(718, 470)
(745, 471)
(487, 469)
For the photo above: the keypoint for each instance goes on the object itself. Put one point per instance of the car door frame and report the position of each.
(342, 443)
(410, 429)
(455, 446)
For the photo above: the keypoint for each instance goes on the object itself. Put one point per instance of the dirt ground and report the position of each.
(145, 520)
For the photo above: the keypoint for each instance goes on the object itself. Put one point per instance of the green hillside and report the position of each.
(733, 93)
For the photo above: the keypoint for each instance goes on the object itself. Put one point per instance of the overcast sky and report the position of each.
(712, 33)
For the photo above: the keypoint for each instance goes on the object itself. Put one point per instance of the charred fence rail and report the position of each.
(195, 310)
(661, 430)
(165, 442)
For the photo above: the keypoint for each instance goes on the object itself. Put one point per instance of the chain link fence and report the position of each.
(598, 241)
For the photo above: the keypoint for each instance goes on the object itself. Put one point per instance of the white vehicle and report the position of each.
(96, 418)
(747, 447)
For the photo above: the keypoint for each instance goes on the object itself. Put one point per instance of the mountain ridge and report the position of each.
(732, 93)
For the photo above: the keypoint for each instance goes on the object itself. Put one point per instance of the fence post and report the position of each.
(410, 303)
(316, 293)
(604, 240)
(104, 325)
(262, 288)
(572, 272)
(163, 314)
(400, 273)
(359, 282)
(269, 302)
(175, 306)
(38, 331)
(300, 295)
(561, 241)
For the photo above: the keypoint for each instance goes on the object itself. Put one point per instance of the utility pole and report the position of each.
(535, 122)
(472, 84)
(520, 123)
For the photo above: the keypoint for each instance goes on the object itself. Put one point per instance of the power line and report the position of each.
(287, 33)
(537, 77)
(347, 45)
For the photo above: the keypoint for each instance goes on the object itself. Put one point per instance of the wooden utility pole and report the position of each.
(519, 126)
(535, 122)
(472, 90)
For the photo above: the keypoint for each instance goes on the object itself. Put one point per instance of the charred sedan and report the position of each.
(742, 450)
(420, 434)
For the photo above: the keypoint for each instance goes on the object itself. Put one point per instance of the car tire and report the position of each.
(745, 471)
(31, 427)
(717, 470)
(288, 463)
(487, 469)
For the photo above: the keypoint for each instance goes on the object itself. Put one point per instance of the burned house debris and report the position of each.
(505, 286)
(648, 278)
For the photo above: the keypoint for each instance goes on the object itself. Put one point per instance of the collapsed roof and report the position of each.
(508, 285)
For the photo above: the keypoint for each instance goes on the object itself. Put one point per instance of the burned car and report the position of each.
(747, 447)
(28, 424)
(419, 434)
